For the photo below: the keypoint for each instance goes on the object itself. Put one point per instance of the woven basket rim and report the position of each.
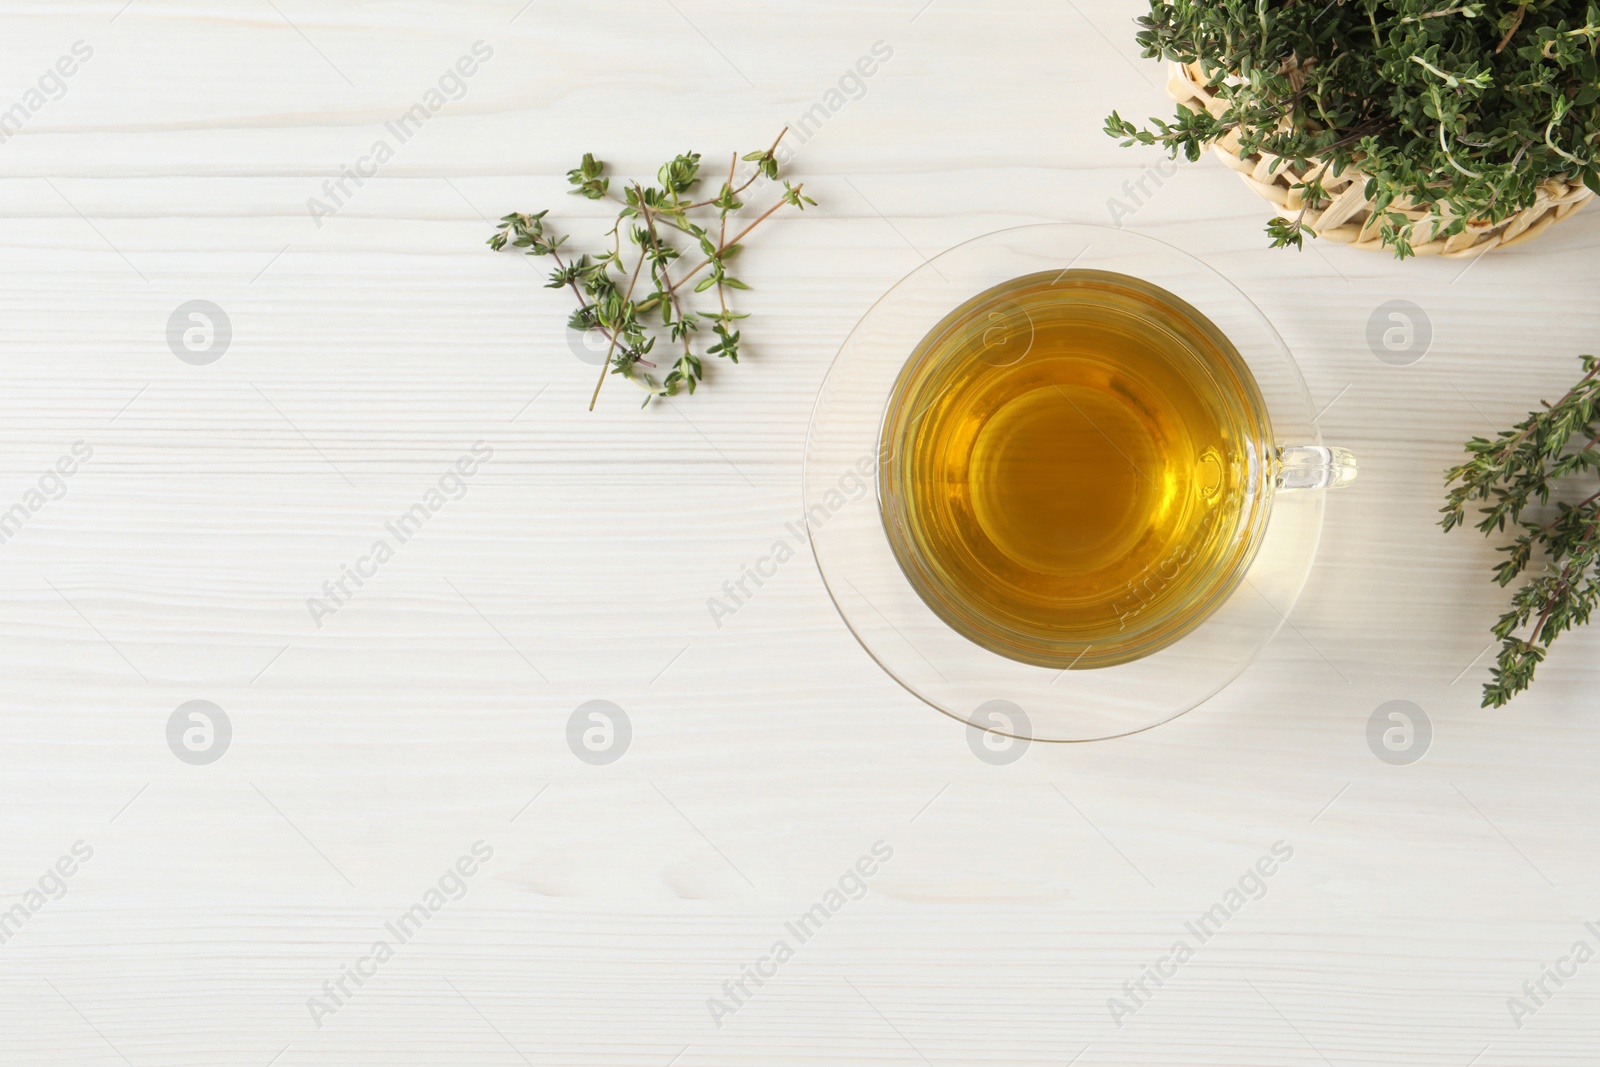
(1346, 217)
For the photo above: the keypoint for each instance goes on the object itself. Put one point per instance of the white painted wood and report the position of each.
(768, 754)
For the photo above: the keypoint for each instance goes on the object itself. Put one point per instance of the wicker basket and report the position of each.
(1348, 218)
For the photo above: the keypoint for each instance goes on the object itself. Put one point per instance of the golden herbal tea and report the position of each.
(1072, 469)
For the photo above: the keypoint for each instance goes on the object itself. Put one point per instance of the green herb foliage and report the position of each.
(1465, 108)
(1517, 471)
(633, 311)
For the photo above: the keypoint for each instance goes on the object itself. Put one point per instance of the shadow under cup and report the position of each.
(1073, 469)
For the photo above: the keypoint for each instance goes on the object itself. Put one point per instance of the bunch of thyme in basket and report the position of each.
(654, 219)
(1460, 109)
(1521, 467)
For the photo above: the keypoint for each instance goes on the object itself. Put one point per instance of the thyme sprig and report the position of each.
(1515, 473)
(654, 220)
(1463, 109)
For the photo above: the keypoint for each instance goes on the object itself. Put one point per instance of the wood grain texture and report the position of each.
(769, 753)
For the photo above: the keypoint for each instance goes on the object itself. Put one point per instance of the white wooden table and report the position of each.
(371, 349)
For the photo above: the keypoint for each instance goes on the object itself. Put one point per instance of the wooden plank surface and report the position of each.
(768, 754)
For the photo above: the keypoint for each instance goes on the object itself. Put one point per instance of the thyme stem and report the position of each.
(607, 289)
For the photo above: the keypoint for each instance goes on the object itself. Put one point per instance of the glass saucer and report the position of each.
(906, 638)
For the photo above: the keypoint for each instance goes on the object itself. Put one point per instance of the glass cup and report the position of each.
(985, 643)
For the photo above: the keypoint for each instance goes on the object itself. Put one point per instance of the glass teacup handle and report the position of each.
(1312, 467)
